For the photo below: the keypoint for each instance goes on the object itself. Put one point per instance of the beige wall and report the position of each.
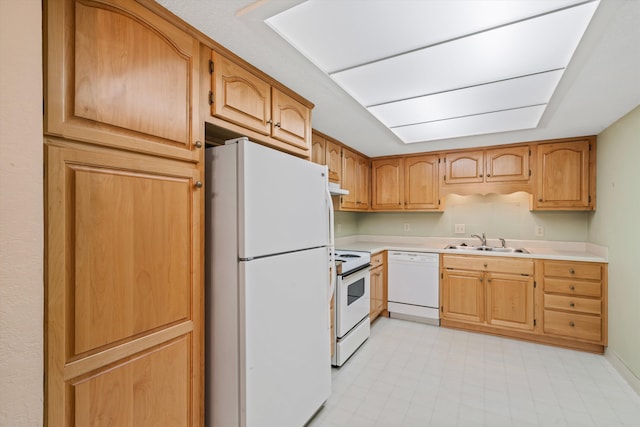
(505, 216)
(615, 224)
(21, 217)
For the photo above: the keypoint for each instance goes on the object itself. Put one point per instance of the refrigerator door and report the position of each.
(282, 202)
(284, 343)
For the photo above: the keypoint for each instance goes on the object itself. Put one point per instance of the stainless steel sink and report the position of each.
(488, 249)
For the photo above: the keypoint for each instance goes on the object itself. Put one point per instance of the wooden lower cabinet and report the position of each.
(378, 289)
(488, 291)
(124, 294)
(574, 301)
(562, 303)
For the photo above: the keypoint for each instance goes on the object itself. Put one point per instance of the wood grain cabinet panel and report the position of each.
(150, 389)
(464, 167)
(575, 301)
(378, 300)
(563, 177)
(508, 164)
(240, 96)
(251, 103)
(121, 76)
(333, 156)
(488, 292)
(405, 183)
(318, 149)
(123, 277)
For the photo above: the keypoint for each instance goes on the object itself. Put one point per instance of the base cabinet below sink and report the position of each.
(562, 303)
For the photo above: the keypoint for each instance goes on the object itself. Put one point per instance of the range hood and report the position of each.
(335, 190)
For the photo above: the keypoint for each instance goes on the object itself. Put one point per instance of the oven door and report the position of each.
(352, 292)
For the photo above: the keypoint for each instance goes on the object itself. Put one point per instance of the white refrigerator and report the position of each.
(267, 260)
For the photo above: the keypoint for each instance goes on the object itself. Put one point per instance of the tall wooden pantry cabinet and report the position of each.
(123, 194)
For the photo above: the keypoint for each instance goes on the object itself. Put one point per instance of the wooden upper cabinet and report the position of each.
(387, 184)
(405, 183)
(250, 105)
(240, 96)
(291, 120)
(363, 183)
(333, 157)
(421, 182)
(508, 164)
(355, 178)
(464, 167)
(318, 149)
(565, 176)
(119, 75)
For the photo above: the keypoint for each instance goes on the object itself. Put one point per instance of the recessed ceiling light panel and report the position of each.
(417, 63)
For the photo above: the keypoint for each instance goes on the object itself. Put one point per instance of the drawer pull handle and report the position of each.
(573, 288)
(571, 304)
(572, 324)
(485, 265)
(572, 271)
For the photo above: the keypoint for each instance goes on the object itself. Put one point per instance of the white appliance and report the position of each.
(352, 303)
(413, 286)
(268, 254)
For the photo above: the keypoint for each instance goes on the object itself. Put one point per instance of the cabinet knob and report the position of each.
(539, 200)
(572, 304)
(198, 184)
(485, 265)
(480, 175)
(572, 324)
(571, 287)
(269, 121)
(572, 271)
(488, 175)
(277, 125)
(198, 144)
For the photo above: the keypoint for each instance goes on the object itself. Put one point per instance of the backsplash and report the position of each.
(506, 216)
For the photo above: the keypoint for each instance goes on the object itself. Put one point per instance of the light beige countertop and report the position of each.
(538, 249)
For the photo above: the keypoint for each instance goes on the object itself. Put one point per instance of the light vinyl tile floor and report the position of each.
(412, 374)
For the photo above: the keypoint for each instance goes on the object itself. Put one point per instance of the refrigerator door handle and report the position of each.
(331, 248)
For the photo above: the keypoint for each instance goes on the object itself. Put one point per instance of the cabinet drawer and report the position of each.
(489, 263)
(377, 259)
(573, 325)
(578, 270)
(573, 287)
(584, 305)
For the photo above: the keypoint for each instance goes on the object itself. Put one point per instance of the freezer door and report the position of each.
(284, 338)
(283, 204)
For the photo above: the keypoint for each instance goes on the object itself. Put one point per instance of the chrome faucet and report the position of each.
(483, 239)
(503, 242)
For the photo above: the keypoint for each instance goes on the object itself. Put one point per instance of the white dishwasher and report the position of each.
(413, 286)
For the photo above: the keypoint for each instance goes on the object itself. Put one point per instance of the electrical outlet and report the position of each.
(539, 231)
(406, 226)
(459, 228)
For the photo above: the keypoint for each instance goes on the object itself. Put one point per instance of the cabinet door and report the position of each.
(120, 76)
(465, 167)
(349, 179)
(364, 180)
(463, 295)
(387, 180)
(239, 96)
(124, 294)
(333, 156)
(510, 301)
(421, 182)
(318, 149)
(563, 176)
(377, 292)
(509, 164)
(291, 120)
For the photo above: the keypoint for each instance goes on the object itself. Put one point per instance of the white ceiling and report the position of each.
(600, 84)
